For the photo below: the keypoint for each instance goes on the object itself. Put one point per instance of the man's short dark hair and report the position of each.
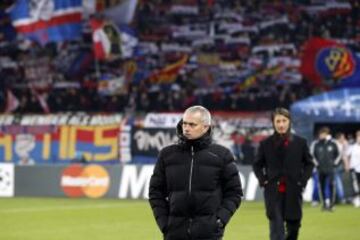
(357, 133)
(280, 111)
(338, 135)
(324, 130)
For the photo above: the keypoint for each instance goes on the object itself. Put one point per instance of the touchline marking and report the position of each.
(60, 208)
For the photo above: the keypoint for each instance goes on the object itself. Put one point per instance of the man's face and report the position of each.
(323, 135)
(281, 124)
(192, 125)
(358, 138)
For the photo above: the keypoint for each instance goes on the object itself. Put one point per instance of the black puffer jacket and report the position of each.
(195, 182)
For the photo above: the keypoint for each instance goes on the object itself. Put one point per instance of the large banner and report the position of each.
(114, 181)
(62, 141)
(47, 144)
(240, 132)
(147, 142)
(47, 139)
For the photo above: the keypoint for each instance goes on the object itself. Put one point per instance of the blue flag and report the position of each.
(48, 20)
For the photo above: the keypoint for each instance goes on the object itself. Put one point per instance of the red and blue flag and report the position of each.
(48, 20)
(329, 63)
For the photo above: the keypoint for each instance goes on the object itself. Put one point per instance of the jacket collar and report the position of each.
(280, 138)
(199, 143)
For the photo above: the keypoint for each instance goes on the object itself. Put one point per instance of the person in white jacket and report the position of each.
(353, 157)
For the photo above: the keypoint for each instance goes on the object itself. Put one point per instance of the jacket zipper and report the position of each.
(191, 169)
(190, 183)
(189, 228)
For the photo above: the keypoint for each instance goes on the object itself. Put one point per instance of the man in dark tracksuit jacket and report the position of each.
(326, 153)
(283, 166)
(195, 187)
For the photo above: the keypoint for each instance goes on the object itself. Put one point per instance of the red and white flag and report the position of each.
(106, 39)
(41, 97)
(12, 103)
(101, 43)
(43, 103)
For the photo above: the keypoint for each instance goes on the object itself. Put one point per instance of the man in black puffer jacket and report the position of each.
(195, 187)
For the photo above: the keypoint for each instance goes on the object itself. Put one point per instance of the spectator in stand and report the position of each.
(249, 67)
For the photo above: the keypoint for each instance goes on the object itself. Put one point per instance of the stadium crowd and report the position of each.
(239, 56)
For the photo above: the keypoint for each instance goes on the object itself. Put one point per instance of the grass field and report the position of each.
(85, 219)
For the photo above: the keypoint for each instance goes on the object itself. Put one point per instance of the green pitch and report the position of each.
(85, 219)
